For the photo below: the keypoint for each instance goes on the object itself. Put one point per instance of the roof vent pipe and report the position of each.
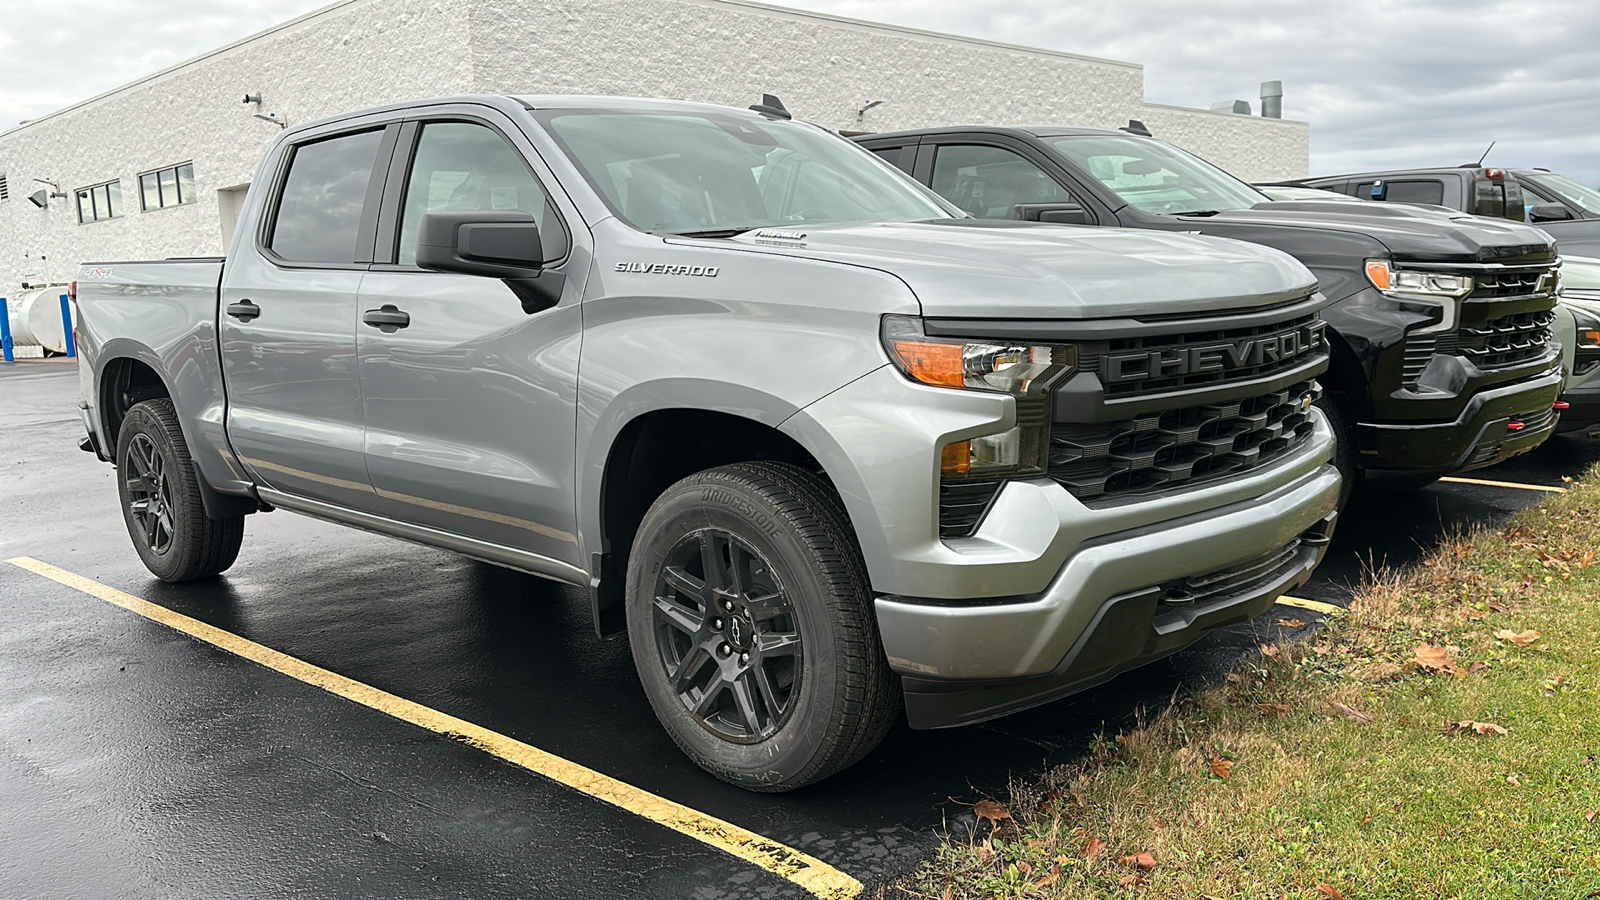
(1272, 99)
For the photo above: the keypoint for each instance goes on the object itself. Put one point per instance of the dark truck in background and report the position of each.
(1446, 362)
(1569, 211)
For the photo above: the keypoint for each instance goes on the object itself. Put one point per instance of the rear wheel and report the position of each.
(161, 502)
(752, 628)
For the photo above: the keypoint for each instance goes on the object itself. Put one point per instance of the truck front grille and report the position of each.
(1504, 342)
(1173, 346)
(1510, 283)
(1161, 451)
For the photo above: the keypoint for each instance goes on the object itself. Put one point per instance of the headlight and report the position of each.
(1436, 289)
(1588, 325)
(1026, 371)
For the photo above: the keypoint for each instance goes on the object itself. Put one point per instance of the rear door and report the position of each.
(288, 320)
(471, 405)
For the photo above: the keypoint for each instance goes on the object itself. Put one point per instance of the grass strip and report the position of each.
(1441, 741)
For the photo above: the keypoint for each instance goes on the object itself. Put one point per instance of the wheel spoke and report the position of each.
(708, 699)
(766, 607)
(746, 704)
(684, 583)
(139, 507)
(688, 668)
(151, 523)
(712, 562)
(778, 644)
(681, 617)
(769, 694)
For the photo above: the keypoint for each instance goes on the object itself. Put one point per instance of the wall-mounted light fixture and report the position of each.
(861, 111)
(41, 198)
(274, 118)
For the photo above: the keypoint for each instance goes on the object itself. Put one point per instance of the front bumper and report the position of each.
(1479, 436)
(1129, 630)
(1029, 648)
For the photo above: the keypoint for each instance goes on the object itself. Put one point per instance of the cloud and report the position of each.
(1384, 83)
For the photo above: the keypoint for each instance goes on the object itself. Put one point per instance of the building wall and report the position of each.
(1254, 149)
(363, 53)
(333, 61)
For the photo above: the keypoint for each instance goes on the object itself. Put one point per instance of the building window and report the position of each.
(103, 201)
(171, 186)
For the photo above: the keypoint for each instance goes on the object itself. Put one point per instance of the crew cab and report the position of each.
(815, 441)
(1443, 359)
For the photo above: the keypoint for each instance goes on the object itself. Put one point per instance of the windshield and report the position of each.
(1156, 177)
(699, 173)
(1585, 198)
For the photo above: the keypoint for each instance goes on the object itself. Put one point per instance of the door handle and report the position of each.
(244, 310)
(388, 319)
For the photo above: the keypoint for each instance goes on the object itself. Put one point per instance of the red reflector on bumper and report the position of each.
(1515, 426)
(1561, 404)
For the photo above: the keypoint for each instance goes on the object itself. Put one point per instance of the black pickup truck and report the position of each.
(1447, 362)
(1569, 211)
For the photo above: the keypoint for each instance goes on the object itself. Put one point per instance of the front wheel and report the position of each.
(160, 493)
(1344, 443)
(751, 625)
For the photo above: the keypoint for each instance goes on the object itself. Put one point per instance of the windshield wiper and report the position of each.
(1202, 213)
(712, 232)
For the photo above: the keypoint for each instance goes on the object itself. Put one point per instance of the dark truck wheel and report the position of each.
(751, 624)
(1344, 443)
(161, 499)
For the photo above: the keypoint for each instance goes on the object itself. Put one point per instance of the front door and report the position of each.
(471, 404)
(288, 321)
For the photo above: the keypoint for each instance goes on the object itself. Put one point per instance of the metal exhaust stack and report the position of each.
(1272, 99)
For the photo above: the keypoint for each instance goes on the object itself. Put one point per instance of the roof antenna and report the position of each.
(772, 106)
(1135, 126)
(1484, 156)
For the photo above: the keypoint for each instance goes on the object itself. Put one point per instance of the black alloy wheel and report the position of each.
(149, 493)
(727, 635)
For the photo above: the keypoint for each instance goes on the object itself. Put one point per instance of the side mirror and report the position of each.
(493, 244)
(1380, 190)
(1053, 213)
(1549, 212)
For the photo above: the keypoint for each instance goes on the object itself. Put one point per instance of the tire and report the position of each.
(161, 503)
(1344, 444)
(789, 686)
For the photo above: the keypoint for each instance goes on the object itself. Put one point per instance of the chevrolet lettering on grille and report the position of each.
(1221, 356)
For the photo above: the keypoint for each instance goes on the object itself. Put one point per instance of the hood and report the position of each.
(988, 269)
(1581, 273)
(1409, 231)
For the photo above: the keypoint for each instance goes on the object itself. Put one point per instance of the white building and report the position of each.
(157, 168)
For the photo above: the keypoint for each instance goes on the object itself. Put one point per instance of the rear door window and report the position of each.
(988, 182)
(324, 197)
(1415, 192)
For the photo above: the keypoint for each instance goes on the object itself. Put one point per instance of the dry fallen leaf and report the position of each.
(1273, 709)
(1521, 640)
(1329, 891)
(1354, 715)
(1477, 667)
(1512, 780)
(1221, 767)
(1435, 659)
(1477, 727)
(1499, 607)
(1126, 880)
(1590, 815)
(1291, 623)
(1269, 651)
(992, 811)
(1142, 860)
(1093, 848)
(1050, 877)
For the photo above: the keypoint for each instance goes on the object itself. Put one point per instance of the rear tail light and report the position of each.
(1495, 174)
(72, 291)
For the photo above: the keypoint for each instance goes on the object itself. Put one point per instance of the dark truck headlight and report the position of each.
(1025, 371)
(1441, 290)
(1586, 318)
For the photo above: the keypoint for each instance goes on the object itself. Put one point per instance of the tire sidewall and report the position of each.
(708, 502)
(141, 420)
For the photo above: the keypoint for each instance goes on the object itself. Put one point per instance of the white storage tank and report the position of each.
(36, 320)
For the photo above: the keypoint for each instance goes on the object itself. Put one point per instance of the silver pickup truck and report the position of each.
(816, 442)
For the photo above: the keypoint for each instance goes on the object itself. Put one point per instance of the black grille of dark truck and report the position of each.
(1174, 448)
(1505, 342)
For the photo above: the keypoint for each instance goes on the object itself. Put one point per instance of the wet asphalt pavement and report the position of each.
(138, 762)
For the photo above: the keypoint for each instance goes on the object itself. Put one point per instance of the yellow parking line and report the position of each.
(1507, 484)
(813, 875)
(1327, 609)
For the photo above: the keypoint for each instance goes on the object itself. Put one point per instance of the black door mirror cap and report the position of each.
(1549, 212)
(490, 243)
(1052, 213)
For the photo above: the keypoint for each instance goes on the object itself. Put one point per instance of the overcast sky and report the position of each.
(1384, 83)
